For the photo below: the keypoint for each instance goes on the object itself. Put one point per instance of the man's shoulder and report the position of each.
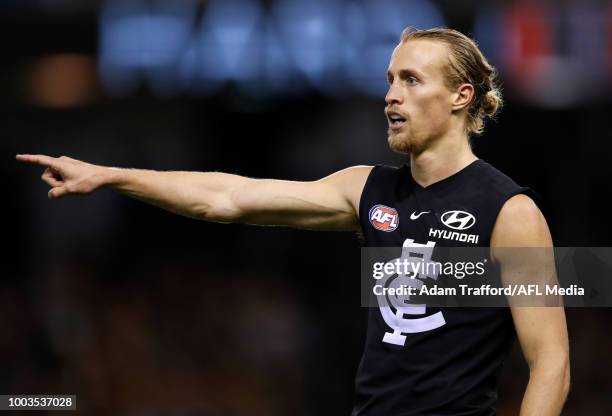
(520, 223)
(493, 177)
(492, 181)
(386, 171)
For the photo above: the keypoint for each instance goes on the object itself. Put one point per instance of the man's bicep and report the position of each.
(330, 203)
(542, 332)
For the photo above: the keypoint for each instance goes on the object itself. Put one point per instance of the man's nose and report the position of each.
(393, 95)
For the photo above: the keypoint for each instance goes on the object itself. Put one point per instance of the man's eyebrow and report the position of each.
(405, 73)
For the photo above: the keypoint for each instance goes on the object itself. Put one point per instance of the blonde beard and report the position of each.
(409, 144)
(397, 144)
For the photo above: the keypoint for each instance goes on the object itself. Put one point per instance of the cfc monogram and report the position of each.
(396, 310)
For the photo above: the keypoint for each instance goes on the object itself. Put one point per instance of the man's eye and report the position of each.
(411, 80)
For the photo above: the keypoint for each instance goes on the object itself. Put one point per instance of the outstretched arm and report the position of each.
(330, 203)
(541, 330)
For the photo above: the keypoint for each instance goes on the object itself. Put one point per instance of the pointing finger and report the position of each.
(42, 160)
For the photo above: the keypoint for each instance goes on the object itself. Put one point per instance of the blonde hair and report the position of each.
(466, 64)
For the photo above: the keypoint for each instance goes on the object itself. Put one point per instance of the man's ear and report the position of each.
(463, 96)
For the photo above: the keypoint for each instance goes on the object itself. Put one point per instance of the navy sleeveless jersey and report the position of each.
(451, 365)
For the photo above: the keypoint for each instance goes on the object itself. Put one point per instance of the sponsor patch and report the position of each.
(458, 220)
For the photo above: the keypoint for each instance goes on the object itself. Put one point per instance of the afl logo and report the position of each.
(458, 220)
(384, 218)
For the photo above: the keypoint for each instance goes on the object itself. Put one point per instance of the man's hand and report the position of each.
(67, 176)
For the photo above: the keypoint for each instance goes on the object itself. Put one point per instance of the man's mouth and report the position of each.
(396, 120)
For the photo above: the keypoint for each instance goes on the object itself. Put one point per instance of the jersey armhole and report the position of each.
(363, 190)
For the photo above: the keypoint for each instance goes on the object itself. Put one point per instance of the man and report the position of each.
(441, 88)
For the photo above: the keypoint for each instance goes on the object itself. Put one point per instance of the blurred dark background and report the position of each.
(141, 312)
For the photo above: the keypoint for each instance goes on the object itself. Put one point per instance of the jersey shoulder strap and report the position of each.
(380, 184)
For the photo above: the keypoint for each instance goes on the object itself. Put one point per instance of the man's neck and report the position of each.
(447, 157)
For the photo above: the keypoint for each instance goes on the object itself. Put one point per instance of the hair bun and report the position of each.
(491, 102)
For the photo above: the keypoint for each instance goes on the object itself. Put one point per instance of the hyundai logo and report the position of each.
(458, 220)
